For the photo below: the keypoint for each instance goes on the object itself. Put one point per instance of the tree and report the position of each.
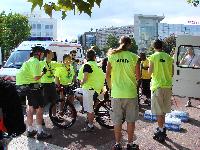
(195, 3)
(14, 29)
(112, 41)
(64, 6)
(134, 47)
(97, 50)
(169, 43)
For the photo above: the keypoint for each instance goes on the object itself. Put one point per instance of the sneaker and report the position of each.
(31, 133)
(132, 147)
(159, 136)
(164, 131)
(87, 129)
(58, 119)
(43, 135)
(117, 147)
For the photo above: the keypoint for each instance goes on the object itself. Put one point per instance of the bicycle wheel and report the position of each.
(102, 113)
(68, 117)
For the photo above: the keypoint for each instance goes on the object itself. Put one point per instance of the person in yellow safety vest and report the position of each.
(92, 79)
(64, 78)
(161, 70)
(123, 71)
(145, 78)
(31, 71)
(48, 80)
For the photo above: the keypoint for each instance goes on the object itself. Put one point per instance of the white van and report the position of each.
(22, 52)
(186, 79)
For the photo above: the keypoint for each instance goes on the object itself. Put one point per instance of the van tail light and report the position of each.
(9, 78)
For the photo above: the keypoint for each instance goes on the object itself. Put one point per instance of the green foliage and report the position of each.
(83, 6)
(169, 43)
(112, 41)
(195, 3)
(14, 29)
(134, 47)
(97, 50)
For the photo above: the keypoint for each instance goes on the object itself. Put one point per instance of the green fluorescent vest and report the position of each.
(95, 79)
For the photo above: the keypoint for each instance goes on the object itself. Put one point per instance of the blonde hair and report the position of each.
(124, 42)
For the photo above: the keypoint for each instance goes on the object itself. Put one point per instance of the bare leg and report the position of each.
(117, 132)
(130, 131)
(161, 120)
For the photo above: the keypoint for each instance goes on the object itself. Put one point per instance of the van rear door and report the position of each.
(186, 79)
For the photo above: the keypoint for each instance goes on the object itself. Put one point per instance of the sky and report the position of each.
(112, 13)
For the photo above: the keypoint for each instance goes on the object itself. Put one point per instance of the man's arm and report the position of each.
(137, 71)
(108, 73)
(85, 78)
(151, 65)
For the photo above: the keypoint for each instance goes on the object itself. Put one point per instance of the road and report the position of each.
(103, 139)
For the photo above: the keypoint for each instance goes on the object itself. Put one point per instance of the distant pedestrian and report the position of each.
(145, 78)
(161, 70)
(123, 71)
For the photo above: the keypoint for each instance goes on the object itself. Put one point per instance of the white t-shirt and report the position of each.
(192, 61)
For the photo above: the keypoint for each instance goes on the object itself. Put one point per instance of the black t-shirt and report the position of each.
(87, 68)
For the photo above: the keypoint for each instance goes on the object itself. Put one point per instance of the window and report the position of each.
(51, 26)
(188, 56)
(38, 26)
(33, 26)
(46, 26)
(39, 34)
(47, 33)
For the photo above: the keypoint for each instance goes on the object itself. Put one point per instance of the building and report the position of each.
(146, 29)
(102, 34)
(165, 30)
(42, 27)
(87, 39)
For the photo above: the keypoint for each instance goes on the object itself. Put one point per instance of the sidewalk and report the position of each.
(103, 139)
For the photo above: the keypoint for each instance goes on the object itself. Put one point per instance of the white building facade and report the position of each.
(165, 30)
(102, 34)
(146, 29)
(42, 27)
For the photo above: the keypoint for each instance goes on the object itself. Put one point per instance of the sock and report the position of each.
(90, 125)
(39, 129)
(30, 128)
(161, 129)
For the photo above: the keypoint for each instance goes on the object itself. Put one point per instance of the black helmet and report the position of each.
(37, 49)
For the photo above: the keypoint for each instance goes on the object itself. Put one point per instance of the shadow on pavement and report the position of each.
(73, 137)
(178, 146)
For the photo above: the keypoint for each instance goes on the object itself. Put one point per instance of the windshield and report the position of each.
(17, 58)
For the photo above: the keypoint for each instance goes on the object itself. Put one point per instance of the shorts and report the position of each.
(124, 108)
(35, 98)
(49, 93)
(88, 100)
(161, 101)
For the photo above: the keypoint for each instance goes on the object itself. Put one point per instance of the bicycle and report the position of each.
(102, 109)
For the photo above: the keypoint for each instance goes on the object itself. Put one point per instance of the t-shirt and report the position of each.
(48, 77)
(192, 60)
(123, 80)
(87, 68)
(29, 71)
(162, 70)
(144, 69)
(65, 75)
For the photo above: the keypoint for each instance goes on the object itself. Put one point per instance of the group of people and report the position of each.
(41, 79)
